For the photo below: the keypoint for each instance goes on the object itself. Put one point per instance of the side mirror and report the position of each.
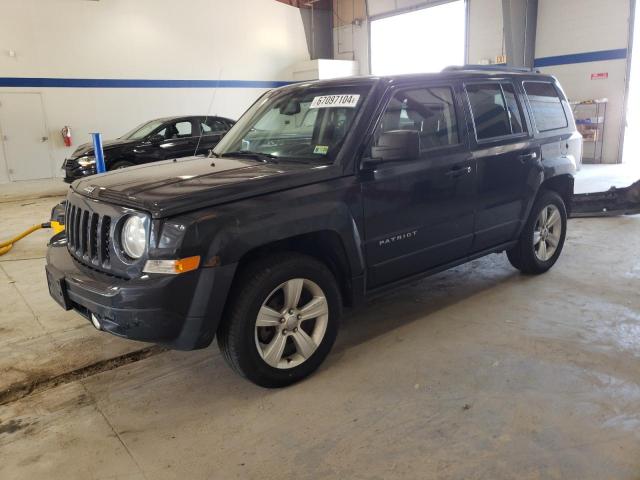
(156, 139)
(396, 145)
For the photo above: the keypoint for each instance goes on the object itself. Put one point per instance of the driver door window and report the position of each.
(429, 111)
(212, 126)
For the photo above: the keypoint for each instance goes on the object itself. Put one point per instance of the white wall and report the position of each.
(579, 26)
(324, 68)
(144, 39)
(485, 38)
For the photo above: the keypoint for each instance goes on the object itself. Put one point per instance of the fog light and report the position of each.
(96, 321)
(172, 267)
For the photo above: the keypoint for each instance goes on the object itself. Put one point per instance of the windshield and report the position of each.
(300, 124)
(143, 130)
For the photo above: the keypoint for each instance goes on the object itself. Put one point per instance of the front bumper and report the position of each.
(180, 311)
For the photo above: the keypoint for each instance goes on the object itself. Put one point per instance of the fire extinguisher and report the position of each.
(66, 136)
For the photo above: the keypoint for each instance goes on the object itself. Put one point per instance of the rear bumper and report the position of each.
(180, 311)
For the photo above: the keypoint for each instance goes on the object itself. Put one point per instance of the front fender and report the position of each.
(231, 231)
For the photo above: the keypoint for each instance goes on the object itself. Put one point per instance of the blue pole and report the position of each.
(99, 153)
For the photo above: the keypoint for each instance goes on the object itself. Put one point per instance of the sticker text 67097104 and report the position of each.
(335, 101)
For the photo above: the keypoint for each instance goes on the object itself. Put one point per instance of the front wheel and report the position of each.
(542, 237)
(282, 320)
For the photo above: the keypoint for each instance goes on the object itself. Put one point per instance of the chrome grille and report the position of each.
(88, 235)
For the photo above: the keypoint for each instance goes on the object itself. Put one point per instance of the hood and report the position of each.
(171, 187)
(87, 148)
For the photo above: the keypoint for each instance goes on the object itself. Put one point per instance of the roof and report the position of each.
(202, 115)
(467, 71)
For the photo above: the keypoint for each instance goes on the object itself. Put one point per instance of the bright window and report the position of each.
(425, 40)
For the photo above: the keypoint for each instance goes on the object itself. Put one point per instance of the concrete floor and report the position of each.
(478, 372)
(598, 178)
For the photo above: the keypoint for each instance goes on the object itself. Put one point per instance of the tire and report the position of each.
(529, 255)
(121, 164)
(278, 353)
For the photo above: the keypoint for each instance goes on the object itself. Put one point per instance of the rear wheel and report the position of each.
(542, 237)
(282, 320)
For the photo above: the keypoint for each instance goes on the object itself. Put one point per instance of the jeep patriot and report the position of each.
(321, 196)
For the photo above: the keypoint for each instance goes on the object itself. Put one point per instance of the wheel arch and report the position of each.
(563, 186)
(326, 246)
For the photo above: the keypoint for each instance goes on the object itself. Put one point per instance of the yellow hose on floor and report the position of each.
(6, 246)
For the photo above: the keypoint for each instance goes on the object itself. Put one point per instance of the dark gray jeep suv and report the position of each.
(322, 195)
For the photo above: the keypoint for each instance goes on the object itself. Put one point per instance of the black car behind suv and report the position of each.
(322, 195)
(160, 139)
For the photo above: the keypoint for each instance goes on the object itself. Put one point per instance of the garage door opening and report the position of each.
(631, 152)
(425, 40)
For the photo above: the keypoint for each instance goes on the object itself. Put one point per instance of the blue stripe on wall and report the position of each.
(600, 56)
(134, 83)
(39, 82)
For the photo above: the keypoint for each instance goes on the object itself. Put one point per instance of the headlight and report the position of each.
(134, 236)
(86, 161)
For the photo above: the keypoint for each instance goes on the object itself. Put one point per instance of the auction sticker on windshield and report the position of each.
(335, 101)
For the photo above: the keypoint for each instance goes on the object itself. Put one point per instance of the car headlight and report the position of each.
(134, 236)
(86, 160)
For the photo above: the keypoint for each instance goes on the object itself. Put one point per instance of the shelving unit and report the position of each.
(590, 118)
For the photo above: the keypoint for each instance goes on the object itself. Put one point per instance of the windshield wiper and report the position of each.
(263, 157)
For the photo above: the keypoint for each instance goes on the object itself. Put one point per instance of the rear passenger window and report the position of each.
(490, 114)
(429, 111)
(495, 109)
(546, 106)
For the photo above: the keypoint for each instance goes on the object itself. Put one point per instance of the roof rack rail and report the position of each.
(491, 68)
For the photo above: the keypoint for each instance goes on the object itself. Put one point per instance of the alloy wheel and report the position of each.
(291, 323)
(547, 233)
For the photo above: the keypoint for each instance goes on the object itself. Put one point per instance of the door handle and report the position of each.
(458, 171)
(525, 157)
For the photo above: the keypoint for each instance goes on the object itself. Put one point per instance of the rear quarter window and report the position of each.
(546, 106)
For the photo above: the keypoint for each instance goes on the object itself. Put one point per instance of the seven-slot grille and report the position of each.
(88, 235)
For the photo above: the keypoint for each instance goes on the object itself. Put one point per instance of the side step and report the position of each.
(613, 202)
